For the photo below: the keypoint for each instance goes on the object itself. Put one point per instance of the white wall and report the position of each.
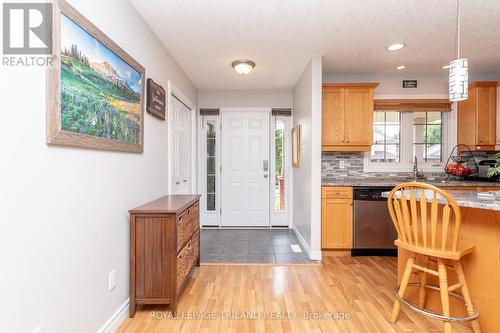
(64, 223)
(246, 98)
(307, 178)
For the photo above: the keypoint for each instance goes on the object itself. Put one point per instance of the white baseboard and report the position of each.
(116, 319)
(313, 255)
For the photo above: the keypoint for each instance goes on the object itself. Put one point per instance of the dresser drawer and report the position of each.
(330, 192)
(195, 218)
(186, 260)
(183, 228)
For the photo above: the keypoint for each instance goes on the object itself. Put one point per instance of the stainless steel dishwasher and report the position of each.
(374, 233)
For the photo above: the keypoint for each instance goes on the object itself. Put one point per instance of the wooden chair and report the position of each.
(427, 220)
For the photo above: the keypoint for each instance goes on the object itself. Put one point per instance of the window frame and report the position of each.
(281, 218)
(385, 136)
(209, 217)
(406, 148)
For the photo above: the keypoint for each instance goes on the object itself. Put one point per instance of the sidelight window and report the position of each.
(279, 181)
(211, 159)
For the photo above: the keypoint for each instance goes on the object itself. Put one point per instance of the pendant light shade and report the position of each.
(459, 80)
(459, 71)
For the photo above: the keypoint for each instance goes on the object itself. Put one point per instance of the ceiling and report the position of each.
(205, 36)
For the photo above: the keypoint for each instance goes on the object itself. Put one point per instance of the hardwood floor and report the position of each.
(359, 288)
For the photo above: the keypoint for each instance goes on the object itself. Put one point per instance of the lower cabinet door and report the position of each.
(336, 230)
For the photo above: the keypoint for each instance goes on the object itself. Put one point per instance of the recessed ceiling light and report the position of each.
(394, 47)
(401, 67)
(243, 66)
(445, 67)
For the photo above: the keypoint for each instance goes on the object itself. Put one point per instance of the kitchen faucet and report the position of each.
(416, 175)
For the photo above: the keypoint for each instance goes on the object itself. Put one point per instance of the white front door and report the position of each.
(181, 130)
(245, 168)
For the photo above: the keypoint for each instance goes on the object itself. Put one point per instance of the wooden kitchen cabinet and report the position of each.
(347, 116)
(336, 218)
(476, 121)
(498, 116)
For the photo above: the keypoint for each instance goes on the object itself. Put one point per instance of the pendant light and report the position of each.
(459, 71)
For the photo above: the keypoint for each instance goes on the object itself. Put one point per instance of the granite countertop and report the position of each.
(386, 181)
(463, 199)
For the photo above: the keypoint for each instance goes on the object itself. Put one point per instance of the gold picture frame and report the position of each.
(296, 146)
(95, 96)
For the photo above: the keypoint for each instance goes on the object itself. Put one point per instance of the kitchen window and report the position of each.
(427, 136)
(399, 136)
(386, 137)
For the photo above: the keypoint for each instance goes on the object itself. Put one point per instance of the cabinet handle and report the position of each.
(347, 141)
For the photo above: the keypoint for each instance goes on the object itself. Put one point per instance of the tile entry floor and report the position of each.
(272, 246)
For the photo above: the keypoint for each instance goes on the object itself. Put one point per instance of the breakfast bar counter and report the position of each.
(480, 225)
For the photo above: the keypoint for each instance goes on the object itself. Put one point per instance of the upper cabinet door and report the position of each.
(486, 115)
(358, 113)
(333, 117)
(466, 121)
(498, 114)
(476, 121)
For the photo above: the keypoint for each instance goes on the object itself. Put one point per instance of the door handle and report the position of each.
(265, 176)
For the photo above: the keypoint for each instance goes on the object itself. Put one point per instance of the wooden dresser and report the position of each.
(164, 247)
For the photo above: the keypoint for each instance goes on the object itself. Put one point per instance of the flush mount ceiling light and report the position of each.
(395, 47)
(401, 67)
(459, 71)
(243, 67)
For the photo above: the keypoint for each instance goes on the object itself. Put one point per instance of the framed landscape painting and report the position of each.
(96, 90)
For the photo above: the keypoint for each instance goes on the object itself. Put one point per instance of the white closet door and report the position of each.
(181, 129)
(245, 169)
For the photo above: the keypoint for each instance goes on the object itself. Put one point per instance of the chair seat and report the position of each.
(464, 247)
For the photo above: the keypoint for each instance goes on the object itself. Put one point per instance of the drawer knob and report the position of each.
(337, 193)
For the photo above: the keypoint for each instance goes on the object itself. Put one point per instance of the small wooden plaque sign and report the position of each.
(156, 104)
(409, 83)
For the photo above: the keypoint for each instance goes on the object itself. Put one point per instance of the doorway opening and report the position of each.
(246, 185)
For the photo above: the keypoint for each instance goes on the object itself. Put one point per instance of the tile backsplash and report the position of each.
(330, 164)
(353, 166)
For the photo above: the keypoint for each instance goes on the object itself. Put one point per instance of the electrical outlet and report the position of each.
(342, 164)
(38, 330)
(112, 280)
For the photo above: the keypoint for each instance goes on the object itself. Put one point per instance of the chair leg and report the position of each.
(423, 282)
(404, 283)
(466, 295)
(443, 290)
